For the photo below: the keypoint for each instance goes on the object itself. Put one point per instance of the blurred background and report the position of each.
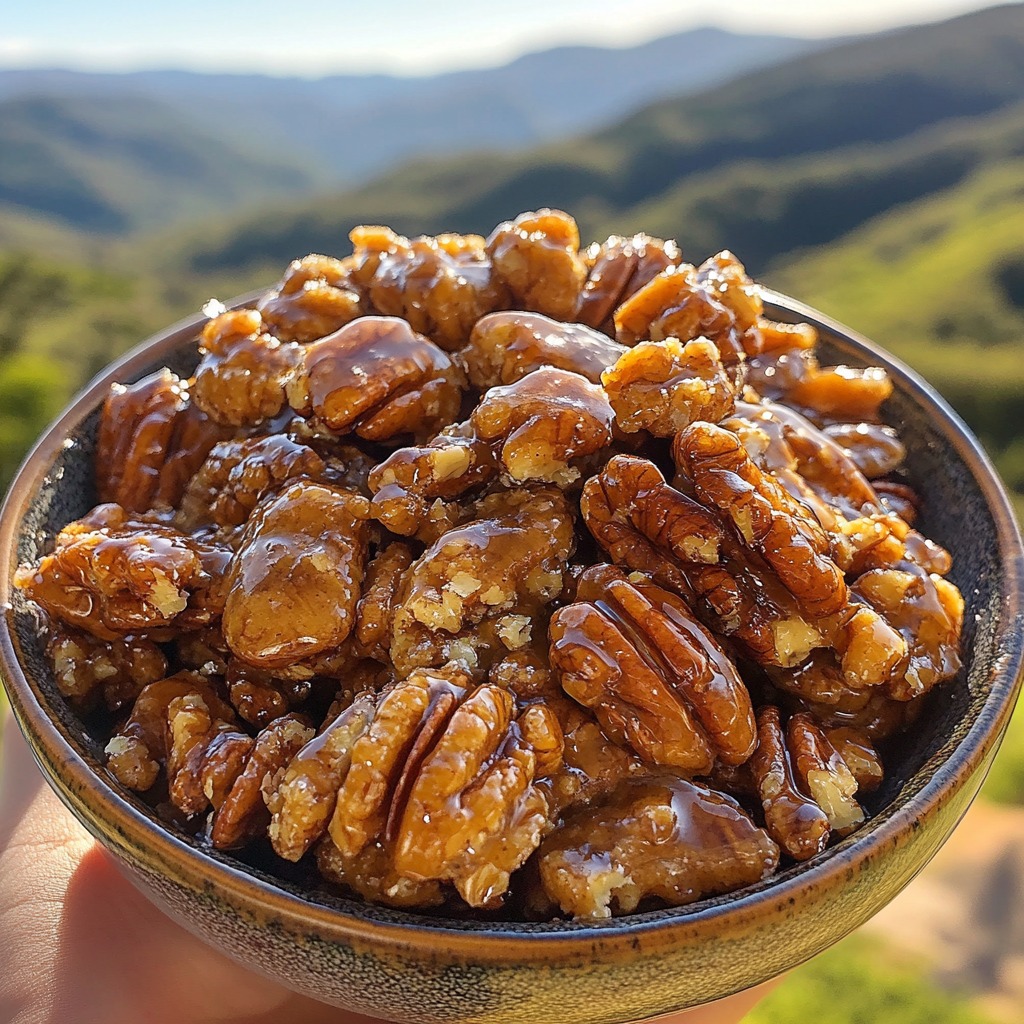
(866, 158)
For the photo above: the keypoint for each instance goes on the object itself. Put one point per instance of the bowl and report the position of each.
(410, 967)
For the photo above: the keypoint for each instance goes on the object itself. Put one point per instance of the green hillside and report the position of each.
(112, 164)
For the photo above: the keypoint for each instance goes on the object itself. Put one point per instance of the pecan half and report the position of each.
(315, 297)
(379, 378)
(663, 838)
(656, 679)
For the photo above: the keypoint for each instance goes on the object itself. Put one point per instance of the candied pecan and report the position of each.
(138, 749)
(543, 423)
(509, 560)
(664, 386)
(314, 298)
(474, 810)
(768, 519)
(860, 755)
(682, 302)
(806, 789)
(663, 838)
(639, 519)
(259, 697)
(212, 764)
(237, 474)
(412, 486)
(619, 267)
(241, 378)
(112, 575)
(301, 796)
(371, 874)
(537, 256)
(378, 378)
(85, 667)
(656, 679)
(874, 448)
(150, 441)
(295, 579)
(928, 611)
(507, 346)
(374, 610)
(442, 286)
(899, 498)
(841, 392)
(771, 338)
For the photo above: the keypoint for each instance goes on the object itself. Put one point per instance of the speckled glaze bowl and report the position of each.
(408, 967)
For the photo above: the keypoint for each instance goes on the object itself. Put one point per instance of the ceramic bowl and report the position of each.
(408, 967)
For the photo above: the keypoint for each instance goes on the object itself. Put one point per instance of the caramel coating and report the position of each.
(505, 347)
(294, 582)
(112, 575)
(442, 286)
(656, 679)
(663, 838)
(543, 423)
(475, 592)
(664, 386)
(537, 257)
(150, 442)
(379, 378)
(315, 297)
(241, 378)
(620, 267)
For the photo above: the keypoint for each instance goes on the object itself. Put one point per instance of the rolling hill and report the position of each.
(353, 126)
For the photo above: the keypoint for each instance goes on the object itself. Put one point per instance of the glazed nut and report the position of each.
(663, 838)
(240, 381)
(664, 386)
(315, 297)
(543, 423)
(806, 788)
(378, 378)
(619, 267)
(151, 440)
(655, 678)
(537, 257)
(506, 346)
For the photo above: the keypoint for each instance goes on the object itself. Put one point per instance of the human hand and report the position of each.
(80, 945)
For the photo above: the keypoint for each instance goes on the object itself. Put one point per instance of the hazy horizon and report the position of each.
(252, 38)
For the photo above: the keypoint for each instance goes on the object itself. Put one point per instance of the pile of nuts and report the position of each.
(503, 574)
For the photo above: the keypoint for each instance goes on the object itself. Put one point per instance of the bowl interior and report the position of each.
(963, 510)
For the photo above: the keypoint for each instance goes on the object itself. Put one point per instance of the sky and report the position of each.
(396, 36)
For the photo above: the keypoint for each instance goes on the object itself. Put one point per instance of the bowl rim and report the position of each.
(502, 941)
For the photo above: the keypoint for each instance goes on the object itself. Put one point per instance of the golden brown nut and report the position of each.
(475, 810)
(664, 386)
(378, 378)
(662, 838)
(544, 423)
(413, 486)
(474, 593)
(151, 440)
(373, 613)
(656, 679)
(138, 749)
(112, 575)
(371, 874)
(765, 516)
(928, 611)
(806, 789)
(294, 582)
(241, 378)
(258, 696)
(301, 797)
(505, 347)
(860, 755)
(442, 286)
(724, 278)
(899, 498)
(537, 257)
(237, 474)
(315, 297)
(620, 267)
(86, 668)
(875, 449)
